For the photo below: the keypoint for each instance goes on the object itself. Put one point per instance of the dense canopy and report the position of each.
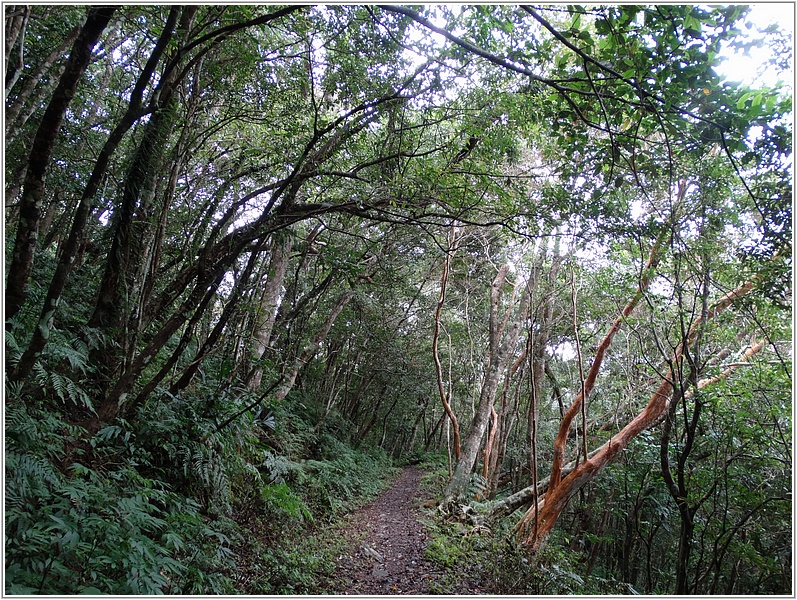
(256, 253)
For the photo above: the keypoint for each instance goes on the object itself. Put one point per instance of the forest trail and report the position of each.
(387, 543)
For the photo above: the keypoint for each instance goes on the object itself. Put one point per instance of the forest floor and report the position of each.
(386, 548)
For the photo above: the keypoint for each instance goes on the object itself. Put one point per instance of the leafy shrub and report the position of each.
(344, 478)
(292, 570)
(161, 503)
(283, 505)
(98, 526)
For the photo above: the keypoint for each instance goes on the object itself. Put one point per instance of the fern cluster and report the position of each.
(167, 500)
(336, 484)
(80, 518)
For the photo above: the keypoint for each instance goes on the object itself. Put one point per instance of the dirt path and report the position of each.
(387, 545)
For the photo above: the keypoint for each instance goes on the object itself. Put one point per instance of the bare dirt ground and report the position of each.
(386, 550)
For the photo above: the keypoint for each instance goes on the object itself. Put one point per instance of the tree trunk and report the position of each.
(269, 304)
(525, 496)
(589, 383)
(396, 397)
(352, 405)
(560, 492)
(290, 374)
(371, 417)
(119, 307)
(15, 117)
(39, 159)
(209, 340)
(429, 437)
(536, 344)
(16, 23)
(16, 17)
(423, 402)
(70, 248)
(499, 352)
(503, 423)
(452, 246)
(132, 217)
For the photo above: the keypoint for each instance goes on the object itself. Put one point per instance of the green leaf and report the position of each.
(742, 102)
(91, 591)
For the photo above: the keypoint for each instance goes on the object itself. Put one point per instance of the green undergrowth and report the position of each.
(487, 559)
(306, 508)
(168, 502)
(484, 557)
(435, 476)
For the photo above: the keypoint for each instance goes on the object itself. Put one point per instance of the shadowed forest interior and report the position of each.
(258, 259)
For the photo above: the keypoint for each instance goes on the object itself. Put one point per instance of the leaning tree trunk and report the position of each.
(537, 343)
(68, 251)
(135, 211)
(30, 210)
(269, 304)
(535, 517)
(15, 116)
(524, 497)
(560, 492)
(309, 351)
(16, 23)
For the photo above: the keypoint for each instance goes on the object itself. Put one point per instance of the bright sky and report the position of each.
(745, 68)
(781, 13)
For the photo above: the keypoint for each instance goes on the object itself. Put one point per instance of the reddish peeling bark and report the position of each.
(523, 497)
(558, 494)
(589, 383)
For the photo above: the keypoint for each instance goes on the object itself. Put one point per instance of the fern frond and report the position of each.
(477, 487)
(95, 338)
(40, 375)
(20, 427)
(77, 357)
(66, 388)
(28, 477)
(220, 485)
(14, 389)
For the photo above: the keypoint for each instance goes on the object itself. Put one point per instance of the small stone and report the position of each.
(368, 551)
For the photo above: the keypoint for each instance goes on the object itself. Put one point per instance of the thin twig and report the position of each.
(573, 296)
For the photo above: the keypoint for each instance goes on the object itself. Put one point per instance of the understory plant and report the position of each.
(168, 504)
(81, 517)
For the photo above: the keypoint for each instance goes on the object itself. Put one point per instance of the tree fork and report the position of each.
(523, 497)
(589, 383)
(453, 242)
(496, 363)
(557, 496)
